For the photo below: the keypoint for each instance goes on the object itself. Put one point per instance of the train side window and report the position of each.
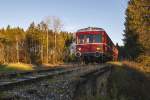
(80, 39)
(98, 38)
(90, 38)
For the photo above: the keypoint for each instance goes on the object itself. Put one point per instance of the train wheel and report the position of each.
(86, 60)
(78, 60)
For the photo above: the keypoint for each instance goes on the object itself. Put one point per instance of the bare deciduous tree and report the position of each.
(55, 24)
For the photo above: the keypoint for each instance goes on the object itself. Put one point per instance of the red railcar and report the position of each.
(93, 44)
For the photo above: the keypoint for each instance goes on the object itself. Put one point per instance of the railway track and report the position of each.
(11, 80)
(27, 79)
(15, 74)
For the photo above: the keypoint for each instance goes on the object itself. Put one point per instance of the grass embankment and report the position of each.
(129, 81)
(15, 67)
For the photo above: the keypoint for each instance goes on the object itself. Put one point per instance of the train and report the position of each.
(94, 45)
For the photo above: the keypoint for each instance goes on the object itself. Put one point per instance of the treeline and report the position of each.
(37, 45)
(137, 31)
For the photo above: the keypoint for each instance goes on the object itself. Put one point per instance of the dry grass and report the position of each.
(129, 82)
(115, 63)
(137, 66)
(49, 65)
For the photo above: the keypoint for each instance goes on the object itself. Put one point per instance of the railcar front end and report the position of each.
(90, 44)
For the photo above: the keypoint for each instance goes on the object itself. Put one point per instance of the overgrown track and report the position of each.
(31, 77)
(16, 74)
(54, 68)
(26, 78)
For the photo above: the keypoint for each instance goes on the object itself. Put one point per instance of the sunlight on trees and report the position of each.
(137, 29)
(41, 43)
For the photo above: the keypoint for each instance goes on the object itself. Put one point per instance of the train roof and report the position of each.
(91, 29)
(94, 29)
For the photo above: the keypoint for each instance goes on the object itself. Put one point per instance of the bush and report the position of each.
(71, 58)
(144, 60)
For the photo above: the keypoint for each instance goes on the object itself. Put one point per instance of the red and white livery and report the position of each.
(94, 44)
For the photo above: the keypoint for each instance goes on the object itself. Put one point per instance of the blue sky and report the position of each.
(75, 14)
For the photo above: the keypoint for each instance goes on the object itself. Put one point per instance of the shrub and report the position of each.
(144, 60)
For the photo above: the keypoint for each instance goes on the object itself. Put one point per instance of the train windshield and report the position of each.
(89, 38)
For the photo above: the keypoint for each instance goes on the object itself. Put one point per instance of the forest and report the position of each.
(37, 45)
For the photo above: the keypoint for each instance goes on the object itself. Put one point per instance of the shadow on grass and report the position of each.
(127, 83)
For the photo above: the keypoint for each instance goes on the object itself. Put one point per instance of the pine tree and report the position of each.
(137, 28)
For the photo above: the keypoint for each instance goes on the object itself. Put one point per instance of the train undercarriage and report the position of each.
(93, 58)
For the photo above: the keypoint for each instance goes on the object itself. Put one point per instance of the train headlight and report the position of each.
(79, 49)
(78, 54)
(98, 48)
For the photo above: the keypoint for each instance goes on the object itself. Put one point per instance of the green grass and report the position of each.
(15, 67)
(4, 68)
